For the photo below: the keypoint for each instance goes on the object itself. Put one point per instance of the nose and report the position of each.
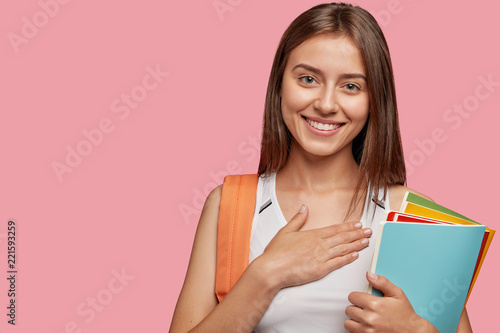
(327, 101)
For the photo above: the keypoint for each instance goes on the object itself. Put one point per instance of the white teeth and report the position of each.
(321, 126)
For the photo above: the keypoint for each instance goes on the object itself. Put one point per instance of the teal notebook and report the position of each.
(433, 264)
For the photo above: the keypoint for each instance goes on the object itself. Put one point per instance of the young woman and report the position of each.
(331, 163)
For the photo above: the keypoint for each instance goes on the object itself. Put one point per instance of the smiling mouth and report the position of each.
(322, 126)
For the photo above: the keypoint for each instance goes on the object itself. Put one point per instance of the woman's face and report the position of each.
(324, 96)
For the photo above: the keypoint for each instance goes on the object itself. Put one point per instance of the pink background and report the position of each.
(120, 208)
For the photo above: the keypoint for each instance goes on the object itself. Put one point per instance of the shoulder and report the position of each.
(207, 224)
(211, 206)
(397, 194)
(214, 196)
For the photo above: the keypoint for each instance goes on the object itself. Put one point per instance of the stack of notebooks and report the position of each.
(434, 255)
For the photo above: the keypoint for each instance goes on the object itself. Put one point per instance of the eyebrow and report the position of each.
(319, 72)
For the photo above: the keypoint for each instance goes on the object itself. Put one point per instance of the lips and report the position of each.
(323, 125)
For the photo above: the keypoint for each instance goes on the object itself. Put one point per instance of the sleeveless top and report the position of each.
(318, 306)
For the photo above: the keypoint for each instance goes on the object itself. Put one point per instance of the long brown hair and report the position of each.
(377, 149)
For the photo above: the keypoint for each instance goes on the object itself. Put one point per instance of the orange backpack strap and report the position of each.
(236, 211)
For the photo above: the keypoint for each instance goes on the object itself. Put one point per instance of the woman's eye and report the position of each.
(351, 86)
(307, 79)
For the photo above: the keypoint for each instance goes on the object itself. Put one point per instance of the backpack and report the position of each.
(236, 212)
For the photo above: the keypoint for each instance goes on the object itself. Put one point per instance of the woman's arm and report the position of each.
(196, 299)
(197, 309)
(293, 257)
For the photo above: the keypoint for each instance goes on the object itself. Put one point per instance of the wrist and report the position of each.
(266, 274)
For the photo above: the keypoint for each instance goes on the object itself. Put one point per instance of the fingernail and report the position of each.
(302, 209)
(365, 241)
(367, 231)
(355, 254)
(358, 225)
(372, 276)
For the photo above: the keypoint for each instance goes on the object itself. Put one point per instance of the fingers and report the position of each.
(354, 312)
(391, 313)
(335, 229)
(363, 300)
(338, 261)
(333, 246)
(340, 243)
(369, 301)
(344, 249)
(298, 220)
(383, 284)
(353, 326)
(348, 237)
(332, 230)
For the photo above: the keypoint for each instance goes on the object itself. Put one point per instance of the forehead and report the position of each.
(328, 53)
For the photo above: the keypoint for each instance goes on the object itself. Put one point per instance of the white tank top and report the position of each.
(319, 306)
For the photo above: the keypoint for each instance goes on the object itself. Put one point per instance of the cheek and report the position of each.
(293, 100)
(358, 109)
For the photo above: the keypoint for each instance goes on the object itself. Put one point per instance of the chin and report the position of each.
(324, 151)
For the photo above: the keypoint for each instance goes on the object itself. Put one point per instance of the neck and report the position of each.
(320, 173)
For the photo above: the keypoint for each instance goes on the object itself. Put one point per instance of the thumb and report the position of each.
(384, 285)
(298, 220)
